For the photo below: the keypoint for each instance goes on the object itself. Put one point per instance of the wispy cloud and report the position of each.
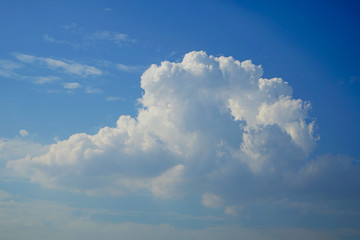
(47, 38)
(211, 200)
(91, 90)
(70, 26)
(115, 37)
(130, 68)
(122, 67)
(8, 70)
(7, 67)
(7, 64)
(113, 99)
(45, 79)
(72, 85)
(89, 39)
(66, 66)
(25, 58)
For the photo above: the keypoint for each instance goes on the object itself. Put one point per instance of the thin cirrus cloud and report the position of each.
(71, 26)
(49, 39)
(208, 125)
(130, 68)
(66, 66)
(44, 79)
(89, 39)
(72, 85)
(113, 99)
(91, 90)
(111, 36)
(7, 68)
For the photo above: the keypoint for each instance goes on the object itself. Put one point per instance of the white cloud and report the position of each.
(206, 125)
(25, 58)
(188, 108)
(23, 132)
(72, 85)
(211, 200)
(44, 80)
(67, 66)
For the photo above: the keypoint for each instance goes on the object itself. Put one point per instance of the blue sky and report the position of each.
(179, 120)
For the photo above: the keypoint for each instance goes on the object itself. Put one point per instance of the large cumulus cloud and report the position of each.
(207, 124)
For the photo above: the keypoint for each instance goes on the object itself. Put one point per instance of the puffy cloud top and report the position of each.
(205, 119)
